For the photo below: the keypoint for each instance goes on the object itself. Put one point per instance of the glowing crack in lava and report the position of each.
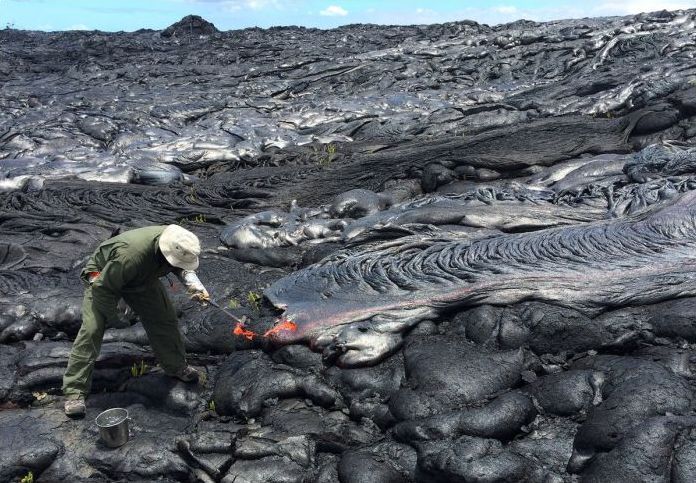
(241, 331)
(282, 325)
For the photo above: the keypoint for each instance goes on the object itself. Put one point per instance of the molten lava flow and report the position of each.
(240, 330)
(283, 325)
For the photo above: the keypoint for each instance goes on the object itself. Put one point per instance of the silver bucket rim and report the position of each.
(122, 411)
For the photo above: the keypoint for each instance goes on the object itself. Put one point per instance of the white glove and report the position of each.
(194, 286)
(203, 296)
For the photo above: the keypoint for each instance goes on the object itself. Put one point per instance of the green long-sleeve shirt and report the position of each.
(129, 262)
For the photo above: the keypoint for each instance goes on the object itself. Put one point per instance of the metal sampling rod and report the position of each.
(226, 312)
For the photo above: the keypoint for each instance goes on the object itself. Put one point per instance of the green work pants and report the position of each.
(159, 320)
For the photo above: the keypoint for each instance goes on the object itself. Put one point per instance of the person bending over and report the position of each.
(129, 266)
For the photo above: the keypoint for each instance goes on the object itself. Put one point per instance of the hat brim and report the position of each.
(178, 263)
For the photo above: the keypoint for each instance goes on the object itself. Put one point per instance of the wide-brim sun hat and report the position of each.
(180, 247)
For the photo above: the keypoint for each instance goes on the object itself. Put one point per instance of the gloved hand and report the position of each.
(194, 286)
(201, 296)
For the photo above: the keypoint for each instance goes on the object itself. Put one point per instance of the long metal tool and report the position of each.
(227, 312)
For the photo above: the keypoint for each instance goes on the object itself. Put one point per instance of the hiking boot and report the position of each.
(187, 374)
(75, 407)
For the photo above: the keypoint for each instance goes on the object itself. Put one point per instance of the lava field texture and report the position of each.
(465, 253)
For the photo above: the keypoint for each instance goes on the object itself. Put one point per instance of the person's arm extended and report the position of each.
(106, 290)
(193, 284)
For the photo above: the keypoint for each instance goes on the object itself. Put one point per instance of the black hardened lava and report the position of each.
(465, 253)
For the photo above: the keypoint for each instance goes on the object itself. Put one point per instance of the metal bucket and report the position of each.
(113, 427)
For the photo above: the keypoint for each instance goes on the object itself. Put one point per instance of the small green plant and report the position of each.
(254, 300)
(603, 115)
(139, 370)
(233, 304)
(326, 154)
(193, 197)
(199, 218)
(28, 478)
(211, 406)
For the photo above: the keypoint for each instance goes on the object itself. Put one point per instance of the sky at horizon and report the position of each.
(129, 15)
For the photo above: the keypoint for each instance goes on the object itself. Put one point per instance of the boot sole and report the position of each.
(76, 413)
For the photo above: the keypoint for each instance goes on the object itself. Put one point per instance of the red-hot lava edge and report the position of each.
(282, 325)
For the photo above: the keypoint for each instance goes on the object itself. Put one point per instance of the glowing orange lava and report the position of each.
(240, 330)
(283, 325)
